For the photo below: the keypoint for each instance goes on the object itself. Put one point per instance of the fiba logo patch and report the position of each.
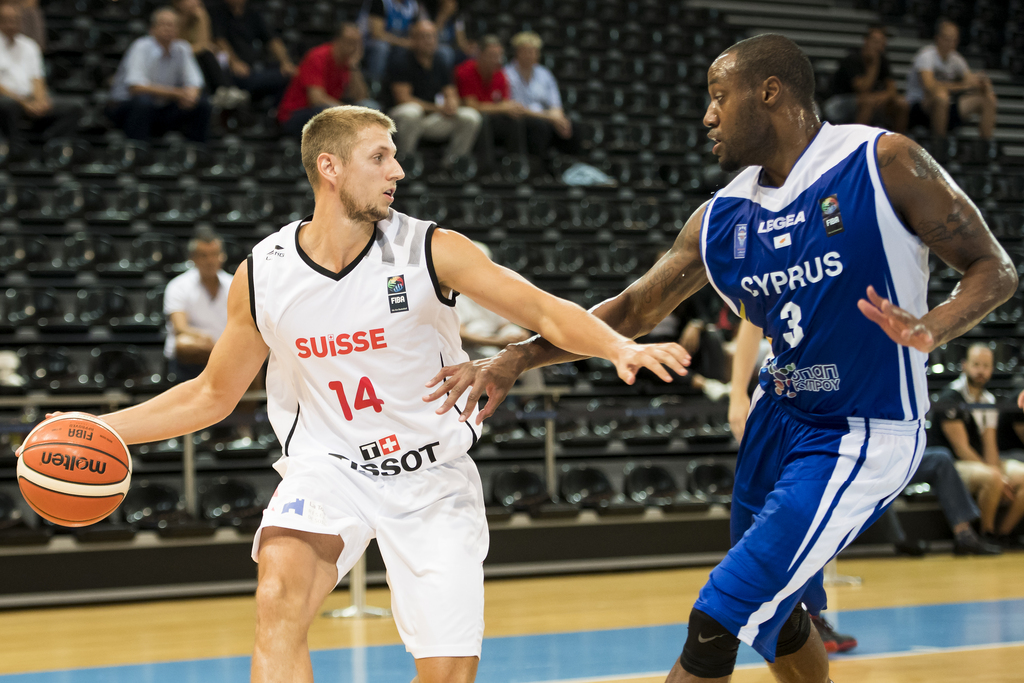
(739, 241)
(831, 216)
(397, 296)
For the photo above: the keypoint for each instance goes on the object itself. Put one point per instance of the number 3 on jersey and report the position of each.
(790, 312)
(366, 397)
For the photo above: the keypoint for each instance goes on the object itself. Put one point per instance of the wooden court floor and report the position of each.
(161, 631)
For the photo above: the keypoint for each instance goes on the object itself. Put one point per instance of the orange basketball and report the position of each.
(74, 470)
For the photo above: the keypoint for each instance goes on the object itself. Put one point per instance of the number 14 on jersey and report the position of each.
(366, 397)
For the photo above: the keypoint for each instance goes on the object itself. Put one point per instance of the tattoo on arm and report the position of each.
(958, 225)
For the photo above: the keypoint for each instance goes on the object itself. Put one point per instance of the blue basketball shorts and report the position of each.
(805, 488)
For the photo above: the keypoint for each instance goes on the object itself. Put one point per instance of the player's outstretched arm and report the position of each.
(462, 267)
(931, 204)
(208, 399)
(633, 313)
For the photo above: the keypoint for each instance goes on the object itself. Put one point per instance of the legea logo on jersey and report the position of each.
(397, 296)
(781, 223)
(831, 216)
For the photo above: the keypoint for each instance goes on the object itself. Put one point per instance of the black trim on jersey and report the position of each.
(330, 273)
(433, 275)
(292, 430)
(468, 425)
(471, 430)
(252, 292)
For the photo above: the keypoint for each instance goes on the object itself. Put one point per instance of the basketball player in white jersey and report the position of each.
(356, 309)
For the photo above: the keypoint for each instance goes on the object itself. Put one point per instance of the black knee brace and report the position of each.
(710, 650)
(794, 633)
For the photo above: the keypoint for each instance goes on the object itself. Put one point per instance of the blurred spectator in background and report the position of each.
(451, 29)
(257, 59)
(24, 97)
(158, 86)
(426, 101)
(534, 87)
(943, 91)
(483, 86)
(863, 88)
(196, 307)
(33, 22)
(327, 77)
(194, 23)
(960, 424)
(938, 470)
(388, 23)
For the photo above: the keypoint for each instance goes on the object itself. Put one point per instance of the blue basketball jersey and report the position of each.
(795, 259)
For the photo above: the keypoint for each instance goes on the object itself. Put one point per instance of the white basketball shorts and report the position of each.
(431, 528)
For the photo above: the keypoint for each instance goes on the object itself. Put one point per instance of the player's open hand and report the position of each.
(654, 357)
(902, 327)
(494, 375)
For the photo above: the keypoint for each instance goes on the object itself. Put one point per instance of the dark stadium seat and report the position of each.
(234, 161)
(86, 251)
(14, 531)
(710, 480)
(589, 487)
(159, 507)
(63, 154)
(142, 200)
(53, 369)
(523, 490)
(231, 502)
(178, 158)
(160, 253)
(169, 450)
(123, 366)
(650, 485)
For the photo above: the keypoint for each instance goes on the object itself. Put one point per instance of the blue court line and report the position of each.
(593, 654)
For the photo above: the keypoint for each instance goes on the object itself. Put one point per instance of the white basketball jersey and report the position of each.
(351, 352)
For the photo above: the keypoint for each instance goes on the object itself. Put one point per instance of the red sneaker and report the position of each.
(834, 642)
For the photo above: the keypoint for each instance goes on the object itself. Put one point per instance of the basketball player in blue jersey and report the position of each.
(355, 307)
(821, 240)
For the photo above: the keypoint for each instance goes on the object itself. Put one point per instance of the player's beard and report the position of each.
(754, 141)
(365, 214)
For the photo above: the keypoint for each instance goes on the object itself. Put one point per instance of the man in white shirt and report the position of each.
(23, 93)
(196, 307)
(942, 91)
(534, 86)
(158, 86)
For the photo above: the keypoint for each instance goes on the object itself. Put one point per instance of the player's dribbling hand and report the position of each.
(902, 327)
(494, 375)
(654, 357)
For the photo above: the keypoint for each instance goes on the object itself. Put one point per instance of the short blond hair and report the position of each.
(527, 39)
(334, 131)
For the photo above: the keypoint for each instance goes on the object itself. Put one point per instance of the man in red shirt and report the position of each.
(327, 77)
(482, 85)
